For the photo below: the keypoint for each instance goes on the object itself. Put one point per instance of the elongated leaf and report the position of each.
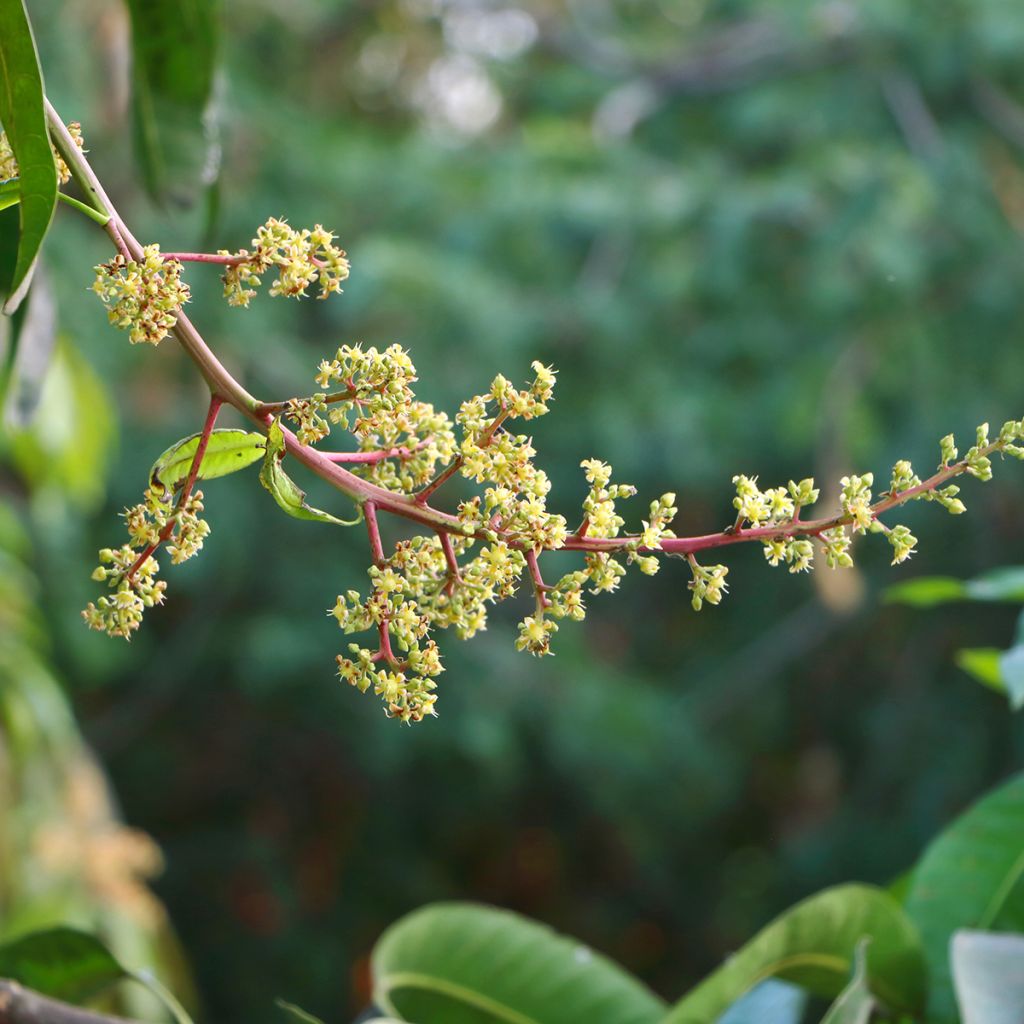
(988, 971)
(926, 591)
(63, 963)
(969, 877)
(294, 1012)
(227, 452)
(813, 945)
(855, 1002)
(463, 963)
(35, 338)
(174, 45)
(24, 120)
(286, 492)
(1003, 584)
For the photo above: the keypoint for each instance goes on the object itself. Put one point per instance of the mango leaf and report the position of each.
(285, 491)
(24, 119)
(10, 193)
(463, 963)
(227, 452)
(969, 877)
(988, 971)
(813, 945)
(294, 1012)
(175, 45)
(926, 591)
(35, 340)
(855, 1002)
(63, 963)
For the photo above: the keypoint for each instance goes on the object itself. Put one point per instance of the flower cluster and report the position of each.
(299, 258)
(131, 570)
(143, 298)
(9, 165)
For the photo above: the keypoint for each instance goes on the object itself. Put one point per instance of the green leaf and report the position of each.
(285, 491)
(1003, 584)
(1002, 671)
(10, 193)
(175, 45)
(855, 1002)
(62, 963)
(463, 963)
(227, 452)
(813, 945)
(927, 591)
(969, 877)
(988, 971)
(297, 1013)
(24, 119)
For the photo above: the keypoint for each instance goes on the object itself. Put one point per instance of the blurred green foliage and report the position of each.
(770, 239)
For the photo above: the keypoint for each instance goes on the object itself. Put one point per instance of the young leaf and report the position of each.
(285, 491)
(63, 963)
(969, 877)
(988, 971)
(855, 1002)
(24, 119)
(227, 452)
(813, 945)
(454, 963)
(174, 44)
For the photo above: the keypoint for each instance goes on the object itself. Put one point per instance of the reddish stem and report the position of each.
(193, 473)
(376, 456)
(224, 259)
(373, 530)
(539, 586)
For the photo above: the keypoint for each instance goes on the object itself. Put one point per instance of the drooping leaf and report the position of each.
(294, 1012)
(926, 591)
(988, 972)
(813, 945)
(174, 48)
(226, 452)
(856, 1001)
(285, 491)
(770, 1002)
(24, 119)
(969, 877)
(64, 963)
(463, 963)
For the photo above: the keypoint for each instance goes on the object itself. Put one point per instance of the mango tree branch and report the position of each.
(20, 1005)
(416, 507)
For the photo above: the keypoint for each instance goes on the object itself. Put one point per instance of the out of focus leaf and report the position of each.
(297, 1013)
(813, 945)
(24, 119)
(856, 1001)
(62, 962)
(457, 963)
(285, 491)
(1003, 584)
(770, 1002)
(988, 972)
(35, 338)
(927, 591)
(174, 45)
(1002, 671)
(10, 193)
(227, 451)
(1011, 669)
(970, 876)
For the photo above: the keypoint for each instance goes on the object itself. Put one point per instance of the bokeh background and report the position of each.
(777, 239)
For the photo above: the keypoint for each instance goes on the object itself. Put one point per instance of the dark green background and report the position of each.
(777, 239)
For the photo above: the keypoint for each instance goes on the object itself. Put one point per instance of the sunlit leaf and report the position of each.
(926, 591)
(226, 452)
(988, 973)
